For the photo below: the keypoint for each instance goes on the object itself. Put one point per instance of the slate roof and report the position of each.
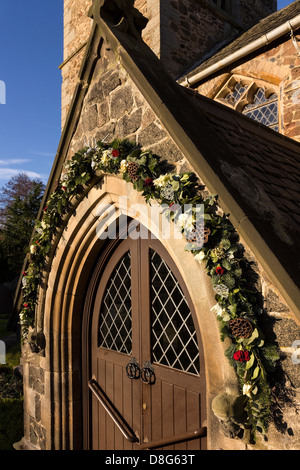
(262, 27)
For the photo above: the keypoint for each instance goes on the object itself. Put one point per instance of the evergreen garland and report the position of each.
(230, 271)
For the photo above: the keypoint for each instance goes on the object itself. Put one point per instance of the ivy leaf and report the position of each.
(175, 185)
(256, 373)
(250, 362)
(253, 337)
(226, 264)
(135, 153)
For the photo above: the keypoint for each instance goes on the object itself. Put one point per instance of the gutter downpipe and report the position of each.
(264, 40)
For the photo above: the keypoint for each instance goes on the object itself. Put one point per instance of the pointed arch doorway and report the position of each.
(143, 366)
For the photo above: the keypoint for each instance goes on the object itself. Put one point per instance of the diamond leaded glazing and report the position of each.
(174, 340)
(115, 331)
(263, 109)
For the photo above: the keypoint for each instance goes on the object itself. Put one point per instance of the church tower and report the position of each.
(180, 32)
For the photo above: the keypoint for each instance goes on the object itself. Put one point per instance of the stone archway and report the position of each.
(60, 311)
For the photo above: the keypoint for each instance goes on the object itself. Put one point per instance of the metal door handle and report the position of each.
(148, 374)
(133, 370)
(110, 408)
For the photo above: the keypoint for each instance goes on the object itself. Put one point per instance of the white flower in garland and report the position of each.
(217, 309)
(106, 156)
(247, 387)
(163, 180)
(33, 249)
(186, 222)
(22, 317)
(123, 166)
(199, 256)
(44, 225)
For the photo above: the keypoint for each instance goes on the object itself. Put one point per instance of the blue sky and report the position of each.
(283, 3)
(31, 49)
(31, 39)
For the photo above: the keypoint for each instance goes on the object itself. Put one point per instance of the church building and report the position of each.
(160, 299)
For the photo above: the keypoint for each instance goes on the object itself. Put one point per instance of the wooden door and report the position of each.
(146, 356)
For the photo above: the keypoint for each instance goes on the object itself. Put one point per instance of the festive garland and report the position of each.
(237, 302)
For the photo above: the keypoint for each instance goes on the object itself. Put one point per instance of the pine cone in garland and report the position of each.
(241, 328)
(200, 235)
(133, 171)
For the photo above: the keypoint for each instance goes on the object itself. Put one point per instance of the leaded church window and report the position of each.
(256, 100)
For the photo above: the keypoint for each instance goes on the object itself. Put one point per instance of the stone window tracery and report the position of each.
(257, 100)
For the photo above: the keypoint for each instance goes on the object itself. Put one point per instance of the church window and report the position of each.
(256, 100)
(263, 109)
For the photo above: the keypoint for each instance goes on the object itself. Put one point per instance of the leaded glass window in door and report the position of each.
(174, 339)
(115, 322)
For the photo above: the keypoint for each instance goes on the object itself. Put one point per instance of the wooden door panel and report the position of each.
(194, 418)
(171, 411)
(174, 403)
(124, 394)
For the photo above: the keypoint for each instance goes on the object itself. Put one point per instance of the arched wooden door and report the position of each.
(147, 379)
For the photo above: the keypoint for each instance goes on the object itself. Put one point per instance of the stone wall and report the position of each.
(114, 108)
(77, 28)
(179, 32)
(279, 65)
(251, 12)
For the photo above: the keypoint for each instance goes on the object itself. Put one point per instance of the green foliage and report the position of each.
(19, 210)
(13, 355)
(11, 401)
(11, 422)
